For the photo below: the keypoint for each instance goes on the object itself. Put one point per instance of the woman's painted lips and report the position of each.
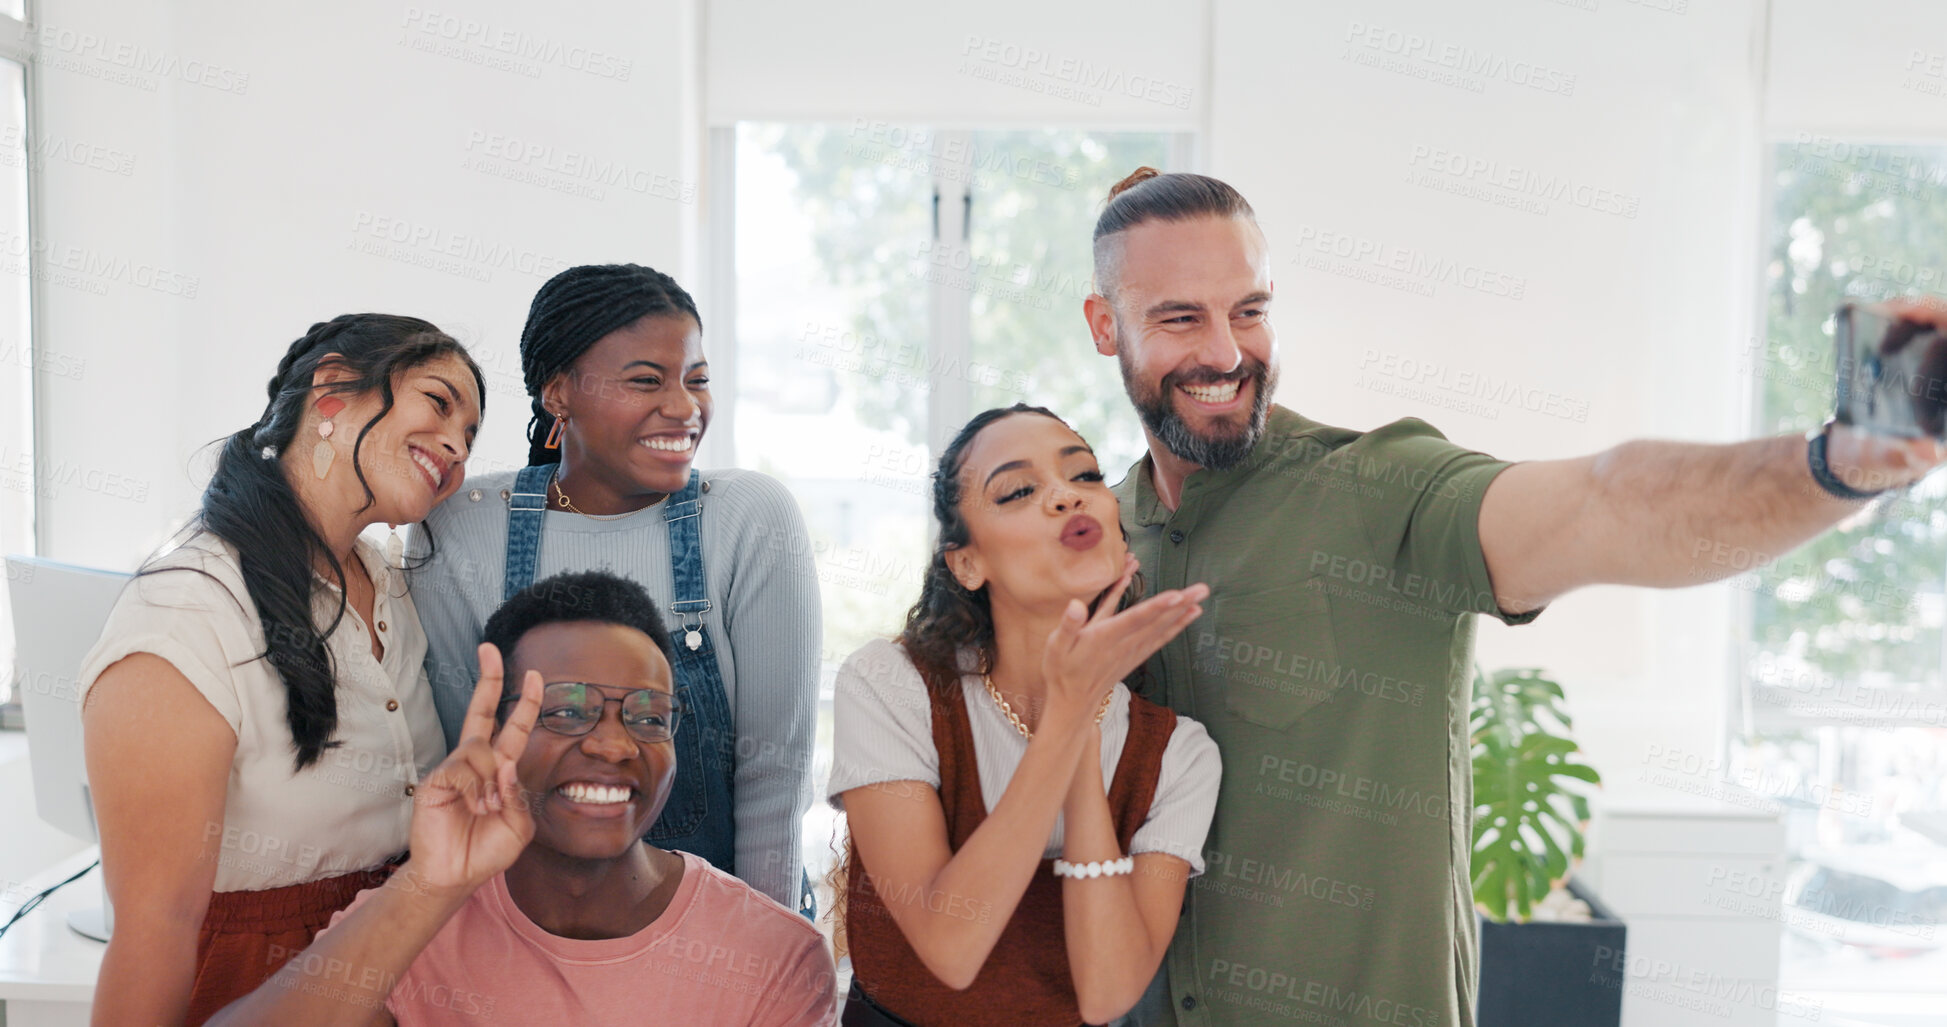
(1081, 532)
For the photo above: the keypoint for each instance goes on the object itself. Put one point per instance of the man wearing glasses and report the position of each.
(529, 895)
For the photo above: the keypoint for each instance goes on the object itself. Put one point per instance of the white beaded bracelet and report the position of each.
(1099, 868)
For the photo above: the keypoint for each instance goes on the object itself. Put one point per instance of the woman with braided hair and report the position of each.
(612, 355)
(256, 713)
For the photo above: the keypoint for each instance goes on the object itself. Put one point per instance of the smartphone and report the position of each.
(1892, 373)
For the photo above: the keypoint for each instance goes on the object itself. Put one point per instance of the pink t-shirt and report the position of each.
(720, 954)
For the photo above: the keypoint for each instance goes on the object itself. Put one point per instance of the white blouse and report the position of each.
(882, 730)
(349, 810)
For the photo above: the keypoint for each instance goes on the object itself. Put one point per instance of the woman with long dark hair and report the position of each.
(612, 355)
(256, 713)
(1022, 824)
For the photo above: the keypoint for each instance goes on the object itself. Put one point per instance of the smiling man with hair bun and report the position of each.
(1334, 555)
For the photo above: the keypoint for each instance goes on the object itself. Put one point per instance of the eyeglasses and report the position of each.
(573, 708)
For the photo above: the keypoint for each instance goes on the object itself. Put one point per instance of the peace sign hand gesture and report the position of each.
(470, 819)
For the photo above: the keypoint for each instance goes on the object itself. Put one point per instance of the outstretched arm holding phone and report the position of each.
(469, 822)
(1664, 514)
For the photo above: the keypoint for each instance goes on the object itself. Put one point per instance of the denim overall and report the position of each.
(700, 816)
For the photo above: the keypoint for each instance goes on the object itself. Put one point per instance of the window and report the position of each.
(891, 280)
(1843, 718)
(17, 354)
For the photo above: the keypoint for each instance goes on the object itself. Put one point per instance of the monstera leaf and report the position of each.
(1528, 817)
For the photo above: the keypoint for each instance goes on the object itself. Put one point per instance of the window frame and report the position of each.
(1854, 704)
(1747, 715)
(949, 310)
(27, 55)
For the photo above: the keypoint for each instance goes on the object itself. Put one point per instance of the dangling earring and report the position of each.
(395, 550)
(322, 454)
(554, 433)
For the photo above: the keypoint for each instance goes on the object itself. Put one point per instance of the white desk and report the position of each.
(1693, 879)
(47, 971)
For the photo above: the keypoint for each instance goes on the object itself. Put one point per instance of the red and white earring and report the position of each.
(322, 454)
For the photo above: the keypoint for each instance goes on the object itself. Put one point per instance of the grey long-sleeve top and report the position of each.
(764, 618)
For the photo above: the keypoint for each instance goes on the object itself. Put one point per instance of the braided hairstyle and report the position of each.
(572, 312)
(947, 617)
(251, 504)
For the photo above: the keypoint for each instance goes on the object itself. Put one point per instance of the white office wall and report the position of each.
(114, 425)
(293, 163)
(1089, 62)
(1866, 68)
(1588, 176)
(1637, 121)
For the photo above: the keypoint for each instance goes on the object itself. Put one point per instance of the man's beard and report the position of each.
(1231, 442)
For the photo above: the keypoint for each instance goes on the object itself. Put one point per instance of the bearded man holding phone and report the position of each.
(1333, 663)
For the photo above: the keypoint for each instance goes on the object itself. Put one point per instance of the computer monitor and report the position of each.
(58, 613)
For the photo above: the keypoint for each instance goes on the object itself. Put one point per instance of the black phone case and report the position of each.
(1892, 373)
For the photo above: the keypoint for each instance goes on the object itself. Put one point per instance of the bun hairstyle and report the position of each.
(251, 505)
(1141, 174)
(572, 312)
(947, 618)
(1150, 195)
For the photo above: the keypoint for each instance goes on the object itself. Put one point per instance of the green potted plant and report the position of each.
(1546, 944)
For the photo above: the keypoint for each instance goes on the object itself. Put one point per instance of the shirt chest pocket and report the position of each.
(1268, 653)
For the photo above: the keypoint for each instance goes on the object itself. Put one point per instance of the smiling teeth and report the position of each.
(678, 445)
(595, 795)
(1213, 393)
(431, 468)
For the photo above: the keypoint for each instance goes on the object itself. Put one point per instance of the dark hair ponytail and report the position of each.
(572, 312)
(946, 617)
(250, 503)
(1150, 195)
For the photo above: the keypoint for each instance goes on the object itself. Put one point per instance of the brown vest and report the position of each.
(1025, 981)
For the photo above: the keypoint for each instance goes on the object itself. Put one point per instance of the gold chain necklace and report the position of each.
(1015, 718)
(562, 498)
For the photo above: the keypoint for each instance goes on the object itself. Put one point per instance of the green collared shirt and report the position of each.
(1333, 665)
